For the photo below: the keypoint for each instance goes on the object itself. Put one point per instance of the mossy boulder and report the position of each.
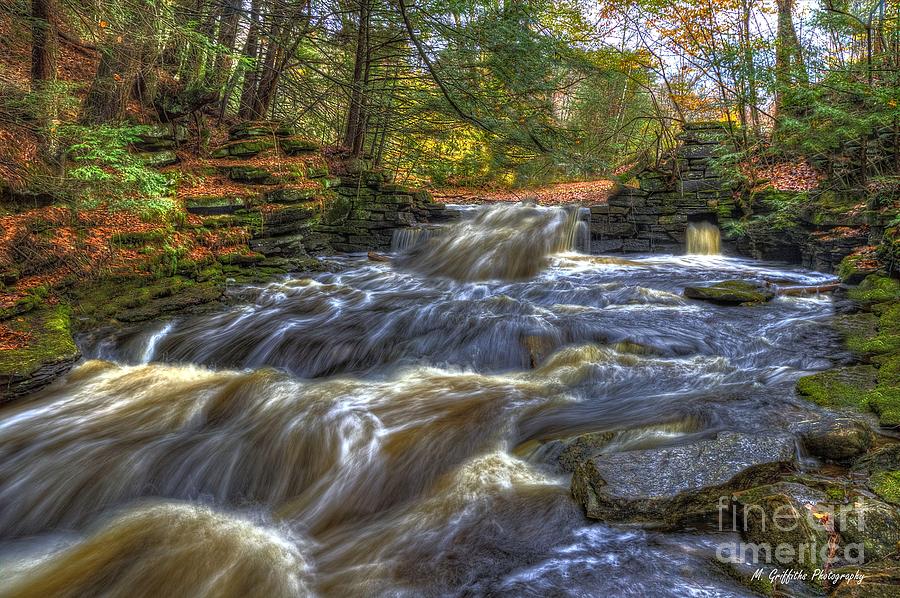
(158, 137)
(139, 298)
(259, 128)
(782, 514)
(252, 175)
(295, 146)
(48, 353)
(159, 159)
(872, 524)
(242, 259)
(876, 289)
(730, 292)
(243, 149)
(854, 268)
(210, 205)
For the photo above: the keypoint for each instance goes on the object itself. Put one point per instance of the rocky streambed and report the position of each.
(487, 414)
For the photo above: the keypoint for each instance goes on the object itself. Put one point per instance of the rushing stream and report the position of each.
(390, 428)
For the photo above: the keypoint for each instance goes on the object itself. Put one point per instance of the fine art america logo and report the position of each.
(787, 542)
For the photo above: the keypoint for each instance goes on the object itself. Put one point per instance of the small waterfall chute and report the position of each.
(406, 238)
(703, 238)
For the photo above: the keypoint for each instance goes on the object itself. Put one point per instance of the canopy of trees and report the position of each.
(464, 91)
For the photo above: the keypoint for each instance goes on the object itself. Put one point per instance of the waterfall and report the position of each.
(583, 231)
(703, 238)
(500, 242)
(405, 238)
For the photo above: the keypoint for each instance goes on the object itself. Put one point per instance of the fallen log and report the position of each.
(815, 290)
(377, 257)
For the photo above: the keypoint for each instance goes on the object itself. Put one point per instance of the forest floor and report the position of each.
(585, 193)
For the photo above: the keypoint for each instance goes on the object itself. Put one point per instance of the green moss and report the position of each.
(889, 371)
(32, 300)
(857, 329)
(854, 268)
(885, 402)
(840, 387)
(51, 341)
(876, 289)
(886, 484)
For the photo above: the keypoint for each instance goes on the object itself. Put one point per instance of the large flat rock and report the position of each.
(675, 483)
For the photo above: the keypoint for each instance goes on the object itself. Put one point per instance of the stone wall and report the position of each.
(368, 207)
(282, 192)
(654, 216)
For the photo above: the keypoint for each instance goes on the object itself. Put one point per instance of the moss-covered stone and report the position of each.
(839, 387)
(33, 299)
(777, 515)
(243, 149)
(253, 175)
(159, 159)
(886, 484)
(885, 402)
(856, 329)
(293, 146)
(729, 292)
(854, 268)
(259, 128)
(48, 352)
(290, 195)
(876, 289)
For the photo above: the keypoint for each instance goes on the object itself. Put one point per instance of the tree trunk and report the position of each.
(108, 96)
(44, 43)
(228, 28)
(251, 51)
(789, 68)
(356, 113)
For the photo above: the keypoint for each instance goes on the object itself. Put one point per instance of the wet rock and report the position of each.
(874, 525)
(783, 515)
(171, 299)
(49, 352)
(730, 292)
(568, 454)
(679, 482)
(838, 439)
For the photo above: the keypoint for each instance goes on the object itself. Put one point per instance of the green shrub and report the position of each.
(104, 171)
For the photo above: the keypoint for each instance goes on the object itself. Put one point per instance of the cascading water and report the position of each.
(703, 238)
(403, 239)
(392, 429)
